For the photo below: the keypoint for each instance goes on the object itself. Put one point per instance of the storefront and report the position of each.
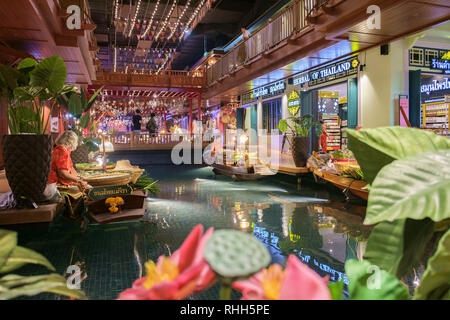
(330, 95)
(429, 88)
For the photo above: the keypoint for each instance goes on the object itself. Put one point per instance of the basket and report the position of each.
(342, 165)
(109, 180)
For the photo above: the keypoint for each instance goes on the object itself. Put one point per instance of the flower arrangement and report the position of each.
(114, 204)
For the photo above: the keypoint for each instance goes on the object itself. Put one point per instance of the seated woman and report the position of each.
(63, 176)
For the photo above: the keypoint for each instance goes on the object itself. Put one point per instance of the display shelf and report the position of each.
(435, 116)
(332, 123)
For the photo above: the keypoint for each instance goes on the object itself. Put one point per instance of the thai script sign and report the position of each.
(439, 64)
(435, 85)
(100, 193)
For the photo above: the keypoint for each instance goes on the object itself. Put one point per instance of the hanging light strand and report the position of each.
(116, 9)
(151, 19)
(194, 15)
(179, 18)
(167, 20)
(133, 22)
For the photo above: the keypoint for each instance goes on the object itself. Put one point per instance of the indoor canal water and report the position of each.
(313, 222)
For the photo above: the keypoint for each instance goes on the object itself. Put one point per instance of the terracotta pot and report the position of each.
(300, 151)
(27, 164)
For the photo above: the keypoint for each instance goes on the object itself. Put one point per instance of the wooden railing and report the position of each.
(290, 21)
(142, 77)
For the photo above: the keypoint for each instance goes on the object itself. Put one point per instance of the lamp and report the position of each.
(109, 147)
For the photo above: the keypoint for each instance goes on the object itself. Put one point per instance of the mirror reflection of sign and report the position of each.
(435, 86)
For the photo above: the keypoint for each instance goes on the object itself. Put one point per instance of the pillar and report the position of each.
(199, 108)
(190, 116)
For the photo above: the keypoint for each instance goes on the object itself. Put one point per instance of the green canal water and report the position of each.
(312, 222)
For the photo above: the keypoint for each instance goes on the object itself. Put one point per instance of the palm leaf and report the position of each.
(50, 73)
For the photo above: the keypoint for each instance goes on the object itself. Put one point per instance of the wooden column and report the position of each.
(199, 108)
(3, 127)
(190, 116)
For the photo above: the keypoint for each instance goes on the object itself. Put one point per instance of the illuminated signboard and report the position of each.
(276, 88)
(435, 86)
(294, 102)
(439, 64)
(330, 72)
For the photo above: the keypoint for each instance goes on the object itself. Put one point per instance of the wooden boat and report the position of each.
(241, 173)
(343, 183)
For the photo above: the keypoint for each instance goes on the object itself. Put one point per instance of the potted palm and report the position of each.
(80, 108)
(31, 90)
(299, 128)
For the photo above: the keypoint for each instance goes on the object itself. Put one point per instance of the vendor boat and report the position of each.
(242, 173)
(355, 187)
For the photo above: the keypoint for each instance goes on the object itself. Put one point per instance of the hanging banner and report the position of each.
(294, 102)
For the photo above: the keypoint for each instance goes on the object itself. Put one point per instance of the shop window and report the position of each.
(416, 57)
(430, 54)
(271, 114)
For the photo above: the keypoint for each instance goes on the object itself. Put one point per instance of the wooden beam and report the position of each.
(15, 53)
(66, 41)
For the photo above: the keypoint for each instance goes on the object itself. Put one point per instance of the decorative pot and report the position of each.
(300, 151)
(81, 155)
(27, 164)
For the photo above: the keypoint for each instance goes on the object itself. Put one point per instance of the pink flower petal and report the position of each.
(251, 289)
(302, 283)
(184, 256)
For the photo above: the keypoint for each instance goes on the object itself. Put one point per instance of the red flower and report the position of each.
(177, 276)
(296, 282)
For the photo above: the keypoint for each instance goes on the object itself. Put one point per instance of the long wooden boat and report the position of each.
(240, 173)
(356, 187)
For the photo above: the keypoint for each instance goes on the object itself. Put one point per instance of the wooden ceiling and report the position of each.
(37, 28)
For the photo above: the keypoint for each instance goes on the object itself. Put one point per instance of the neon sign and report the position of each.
(435, 86)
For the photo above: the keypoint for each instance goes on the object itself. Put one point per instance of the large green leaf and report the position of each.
(8, 241)
(84, 121)
(21, 256)
(8, 77)
(336, 290)
(23, 94)
(435, 282)
(75, 107)
(29, 286)
(417, 187)
(93, 98)
(398, 246)
(368, 282)
(375, 148)
(27, 65)
(50, 73)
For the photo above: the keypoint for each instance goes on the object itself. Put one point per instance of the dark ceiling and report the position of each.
(219, 26)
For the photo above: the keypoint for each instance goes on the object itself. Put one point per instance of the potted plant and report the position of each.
(300, 128)
(79, 107)
(31, 90)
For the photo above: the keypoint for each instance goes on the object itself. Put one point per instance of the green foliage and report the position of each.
(375, 148)
(300, 126)
(398, 246)
(416, 187)
(146, 183)
(13, 257)
(28, 89)
(435, 282)
(336, 290)
(235, 255)
(92, 144)
(369, 282)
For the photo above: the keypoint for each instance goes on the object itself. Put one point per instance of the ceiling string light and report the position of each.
(164, 63)
(194, 15)
(116, 10)
(167, 19)
(151, 19)
(133, 22)
(179, 18)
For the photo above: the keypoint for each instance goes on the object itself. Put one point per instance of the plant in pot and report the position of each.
(80, 108)
(31, 91)
(298, 128)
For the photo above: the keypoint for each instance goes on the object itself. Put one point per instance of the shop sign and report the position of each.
(440, 64)
(100, 193)
(435, 86)
(274, 89)
(293, 102)
(331, 72)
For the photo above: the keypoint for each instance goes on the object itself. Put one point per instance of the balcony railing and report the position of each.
(292, 20)
(146, 77)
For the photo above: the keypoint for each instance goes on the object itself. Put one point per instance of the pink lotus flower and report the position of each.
(177, 276)
(296, 282)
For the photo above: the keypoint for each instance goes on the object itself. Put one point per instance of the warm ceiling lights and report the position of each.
(116, 10)
(133, 23)
(151, 19)
(167, 19)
